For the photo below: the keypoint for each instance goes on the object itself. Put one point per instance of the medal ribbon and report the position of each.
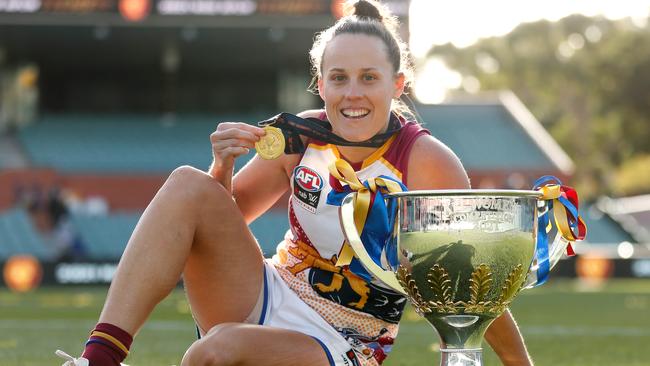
(562, 201)
(293, 126)
(370, 212)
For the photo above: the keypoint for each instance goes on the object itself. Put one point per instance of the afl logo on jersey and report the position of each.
(307, 187)
(308, 179)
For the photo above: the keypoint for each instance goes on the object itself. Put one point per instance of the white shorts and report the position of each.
(282, 308)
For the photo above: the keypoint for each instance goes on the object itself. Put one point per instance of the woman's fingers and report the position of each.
(233, 139)
(242, 131)
(222, 144)
(229, 141)
(233, 134)
(233, 151)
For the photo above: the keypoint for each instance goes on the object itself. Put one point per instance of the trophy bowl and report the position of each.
(459, 256)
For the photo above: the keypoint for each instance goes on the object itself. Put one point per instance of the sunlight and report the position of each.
(463, 22)
(434, 79)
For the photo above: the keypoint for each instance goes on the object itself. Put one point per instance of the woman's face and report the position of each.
(357, 85)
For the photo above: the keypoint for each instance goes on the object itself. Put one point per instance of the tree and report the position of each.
(587, 81)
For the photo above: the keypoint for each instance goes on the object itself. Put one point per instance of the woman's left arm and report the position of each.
(505, 339)
(432, 165)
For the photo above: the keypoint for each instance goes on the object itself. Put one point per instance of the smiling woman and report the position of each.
(359, 91)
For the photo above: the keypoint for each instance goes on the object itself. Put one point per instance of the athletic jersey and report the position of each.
(366, 313)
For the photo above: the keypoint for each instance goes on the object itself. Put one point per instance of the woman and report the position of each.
(298, 308)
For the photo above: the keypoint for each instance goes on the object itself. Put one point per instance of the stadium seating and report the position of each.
(105, 237)
(502, 143)
(122, 144)
(270, 230)
(18, 236)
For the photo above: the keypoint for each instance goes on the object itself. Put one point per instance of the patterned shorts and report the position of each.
(282, 308)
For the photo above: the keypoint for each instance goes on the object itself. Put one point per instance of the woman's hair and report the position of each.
(371, 18)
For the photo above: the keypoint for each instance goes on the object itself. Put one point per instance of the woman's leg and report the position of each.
(253, 345)
(193, 227)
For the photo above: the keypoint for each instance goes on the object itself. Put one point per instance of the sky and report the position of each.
(463, 22)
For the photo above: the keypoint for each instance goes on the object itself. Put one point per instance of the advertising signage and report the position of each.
(137, 10)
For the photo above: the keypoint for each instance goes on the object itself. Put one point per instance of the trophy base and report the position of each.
(461, 357)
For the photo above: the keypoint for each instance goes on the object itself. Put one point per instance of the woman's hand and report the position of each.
(229, 141)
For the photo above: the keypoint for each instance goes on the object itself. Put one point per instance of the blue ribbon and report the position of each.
(377, 229)
(541, 252)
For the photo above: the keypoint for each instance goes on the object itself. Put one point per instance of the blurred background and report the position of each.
(101, 99)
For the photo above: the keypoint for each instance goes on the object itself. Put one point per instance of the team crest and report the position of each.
(307, 187)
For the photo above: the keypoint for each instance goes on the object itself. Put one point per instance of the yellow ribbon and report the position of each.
(343, 171)
(552, 192)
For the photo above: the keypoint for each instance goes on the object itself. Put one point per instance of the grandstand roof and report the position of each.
(495, 132)
(602, 228)
(632, 213)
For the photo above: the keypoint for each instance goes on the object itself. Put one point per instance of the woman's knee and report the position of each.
(197, 184)
(219, 347)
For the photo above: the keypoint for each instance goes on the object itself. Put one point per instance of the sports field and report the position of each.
(564, 323)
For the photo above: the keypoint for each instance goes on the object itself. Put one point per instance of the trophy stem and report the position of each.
(461, 357)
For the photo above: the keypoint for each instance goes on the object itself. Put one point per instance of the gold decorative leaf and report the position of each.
(480, 284)
(440, 284)
(441, 288)
(413, 293)
(509, 288)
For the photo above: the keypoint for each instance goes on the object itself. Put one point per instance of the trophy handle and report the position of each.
(555, 252)
(346, 215)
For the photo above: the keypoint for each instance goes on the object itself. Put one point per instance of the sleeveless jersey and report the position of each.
(364, 312)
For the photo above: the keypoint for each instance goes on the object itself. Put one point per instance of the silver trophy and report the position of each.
(459, 256)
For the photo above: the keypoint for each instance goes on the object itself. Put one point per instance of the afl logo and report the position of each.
(308, 179)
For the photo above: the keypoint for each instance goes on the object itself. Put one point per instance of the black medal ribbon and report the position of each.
(293, 126)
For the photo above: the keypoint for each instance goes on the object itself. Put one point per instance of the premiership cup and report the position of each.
(459, 256)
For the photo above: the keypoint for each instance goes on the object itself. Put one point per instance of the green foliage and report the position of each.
(634, 176)
(588, 82)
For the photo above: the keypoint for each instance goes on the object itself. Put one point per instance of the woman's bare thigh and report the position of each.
(223, 274)
(255, 345)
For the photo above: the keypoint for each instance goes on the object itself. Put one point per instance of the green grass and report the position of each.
(563, 322)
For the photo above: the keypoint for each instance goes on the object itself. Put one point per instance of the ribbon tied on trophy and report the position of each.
(371, 215)
(562, 201)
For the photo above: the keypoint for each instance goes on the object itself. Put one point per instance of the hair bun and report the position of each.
(366, 9)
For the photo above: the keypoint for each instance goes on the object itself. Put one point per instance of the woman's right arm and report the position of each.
(260, 183)
(229, 141)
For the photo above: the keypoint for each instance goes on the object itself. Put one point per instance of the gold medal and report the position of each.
(271, 145)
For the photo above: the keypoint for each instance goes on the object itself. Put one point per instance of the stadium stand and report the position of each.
(19, 236)
(603, 229)
(269, 230)
(503, 143)
(128, 145)
(119, 146)
(10, 153)
(122, 144)
(105, 237)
